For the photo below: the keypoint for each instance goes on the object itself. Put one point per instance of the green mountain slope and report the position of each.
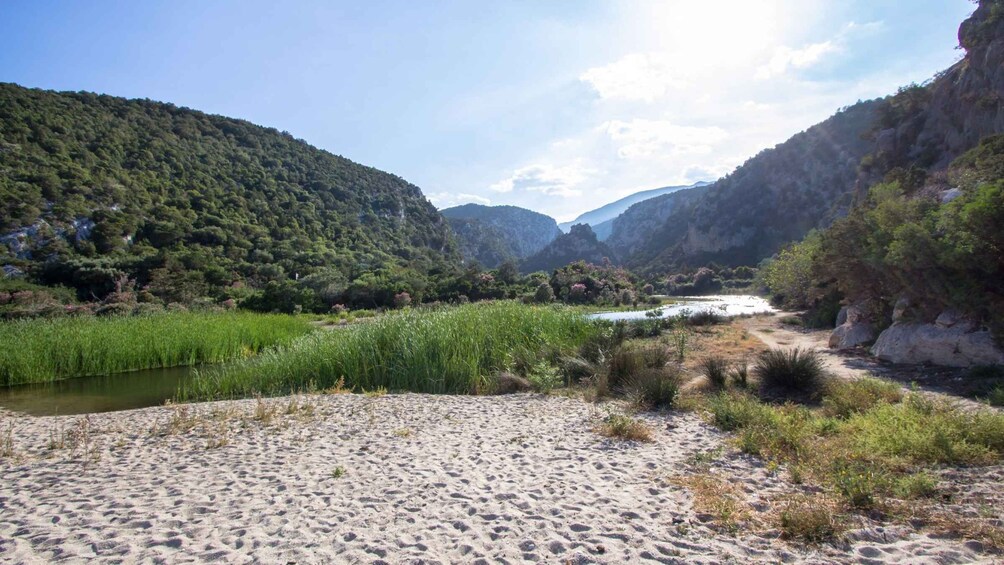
(95, 187)
(815, 177)
(493, 234)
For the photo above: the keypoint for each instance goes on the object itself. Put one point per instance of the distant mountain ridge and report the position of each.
(491, 235)
(579, 244)
(816, 176)
(603, 215)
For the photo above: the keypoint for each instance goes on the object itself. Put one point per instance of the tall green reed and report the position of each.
(452, 350)
(43, 350)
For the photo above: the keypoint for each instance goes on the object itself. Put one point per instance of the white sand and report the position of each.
(427, 479)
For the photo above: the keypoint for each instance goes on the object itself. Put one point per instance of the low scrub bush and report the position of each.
(841, 398)
(918, 431)
(790, 371)
(706, 318)
(544, 377)
(809, 520)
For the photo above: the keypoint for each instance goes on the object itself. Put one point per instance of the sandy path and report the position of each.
(426, 479)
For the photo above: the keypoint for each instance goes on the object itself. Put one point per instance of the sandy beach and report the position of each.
(401, 479)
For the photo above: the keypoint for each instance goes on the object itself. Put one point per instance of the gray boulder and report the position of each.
(854, 327)
(951, 341)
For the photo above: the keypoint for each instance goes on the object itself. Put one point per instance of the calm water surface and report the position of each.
(726, 305)
(106, 393)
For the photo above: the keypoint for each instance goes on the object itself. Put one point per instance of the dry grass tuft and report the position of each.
(718, 500)
(619, 426)
(813, 519)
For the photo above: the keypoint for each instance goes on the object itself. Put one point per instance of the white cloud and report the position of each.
(546, 179)
(450, 199)
(638, 76)
(786, 58)
(644, 138)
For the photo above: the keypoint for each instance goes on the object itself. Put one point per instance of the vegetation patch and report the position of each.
(449, 350)
(620, 426)
(43, 350)
(791, 371)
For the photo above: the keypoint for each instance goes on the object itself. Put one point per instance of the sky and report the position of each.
(559, 106)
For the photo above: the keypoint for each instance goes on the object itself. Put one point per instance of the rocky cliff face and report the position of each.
(775, 197)
(579, 244)
(493, 234)
(808, 181)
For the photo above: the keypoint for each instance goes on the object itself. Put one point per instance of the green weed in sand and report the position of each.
(43, 350)
(452, 350)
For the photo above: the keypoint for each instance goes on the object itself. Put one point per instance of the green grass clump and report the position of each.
(655, 388)
(716, 370)
(43, 350)
(996, 396)
(791, 371)
(845, 397)
(449, 350)
(630, 359)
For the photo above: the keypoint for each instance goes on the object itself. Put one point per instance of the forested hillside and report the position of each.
(96, 188)
(491, 235)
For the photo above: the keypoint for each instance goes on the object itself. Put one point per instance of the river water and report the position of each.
(726, 305)
(103, 393)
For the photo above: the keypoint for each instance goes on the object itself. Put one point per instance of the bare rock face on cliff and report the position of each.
(814, 177)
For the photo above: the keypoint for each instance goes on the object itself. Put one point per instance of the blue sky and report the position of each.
(559, 106)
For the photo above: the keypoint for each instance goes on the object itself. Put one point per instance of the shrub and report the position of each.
(508, 383)
(716, 370)
(740, 374)
(623, 427)
(627, 361)
(706, 318)
(736, 411)
(841, 398)
(922, 431)
(544, 294)
(808, 520)
(402, 300)
(917, 485)
(544, 377)
(654, 389)
(577, 369)
(858, 483)
(996, 396)
(794, 370)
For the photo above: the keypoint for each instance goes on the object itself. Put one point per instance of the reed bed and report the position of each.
(43, 350)
(453, 350)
